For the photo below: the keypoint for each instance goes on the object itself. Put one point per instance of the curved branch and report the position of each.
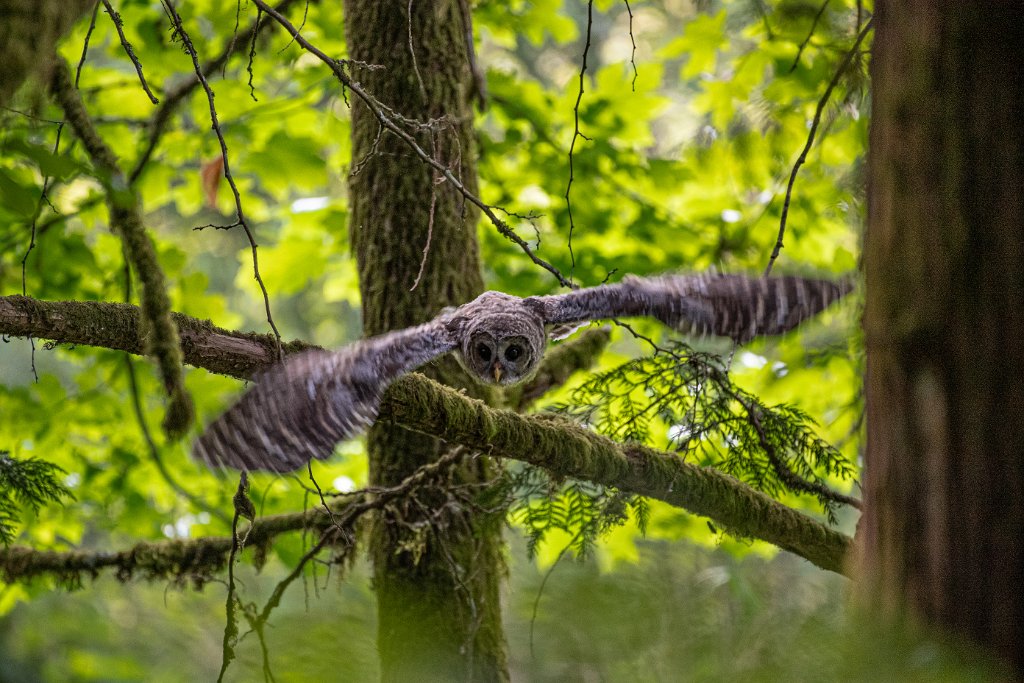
(815, 122)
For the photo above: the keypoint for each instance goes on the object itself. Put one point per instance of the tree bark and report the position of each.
(414, 238)
(943, 533)
(29, 33)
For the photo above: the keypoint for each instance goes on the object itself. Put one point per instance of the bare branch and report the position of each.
(240, 219)
(175, 96)
(128, 49)
(387, 119)
(810, 34)
(576, 134)
(847, 58)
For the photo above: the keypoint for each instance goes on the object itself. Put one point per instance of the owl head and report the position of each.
(502, 340)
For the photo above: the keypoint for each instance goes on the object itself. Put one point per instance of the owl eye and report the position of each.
(513, 352)
(483, 351)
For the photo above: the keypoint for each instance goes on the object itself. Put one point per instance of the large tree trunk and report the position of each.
(943, 532)
(438, 603)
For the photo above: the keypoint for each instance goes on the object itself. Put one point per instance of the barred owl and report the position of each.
(299, 410)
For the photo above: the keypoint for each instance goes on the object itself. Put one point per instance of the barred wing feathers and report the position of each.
(300, 409)
(734, 306)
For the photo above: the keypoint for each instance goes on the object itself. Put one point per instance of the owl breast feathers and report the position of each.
(300, 409)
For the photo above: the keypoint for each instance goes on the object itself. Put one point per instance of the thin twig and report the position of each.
(810, 140)
(576, 134)
(180, 32)
(479, 80)
(119, 25)
(154, 450)
(252, 53)
(412, 52)
(803, 45)
(544, 582)
(231, 621)
(632, 55)
(436, 179)
(175, 96)
(385, 117)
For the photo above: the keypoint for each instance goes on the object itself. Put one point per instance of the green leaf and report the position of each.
(16, 196)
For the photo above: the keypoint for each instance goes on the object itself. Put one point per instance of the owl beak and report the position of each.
(497, 372)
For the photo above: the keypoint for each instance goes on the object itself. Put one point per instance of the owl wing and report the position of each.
(733, 306)
(300, 409)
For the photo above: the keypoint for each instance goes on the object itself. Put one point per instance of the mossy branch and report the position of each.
(118, 326)
(195, 559)
(558, 445)
(126, 220)
(566, 449)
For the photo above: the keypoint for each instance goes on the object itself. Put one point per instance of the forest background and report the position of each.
(616, 138)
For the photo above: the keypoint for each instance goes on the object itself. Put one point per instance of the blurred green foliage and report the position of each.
(683, 167)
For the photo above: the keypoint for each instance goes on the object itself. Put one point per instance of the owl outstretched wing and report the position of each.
(733, 306)
(300, 409)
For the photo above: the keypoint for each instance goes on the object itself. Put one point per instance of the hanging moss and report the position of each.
(161, 335)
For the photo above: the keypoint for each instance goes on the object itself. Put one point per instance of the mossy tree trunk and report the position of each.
(943, 534)
(437, 569)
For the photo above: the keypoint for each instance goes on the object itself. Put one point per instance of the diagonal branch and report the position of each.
(126, 220)
(387, 119)
(175, 96)
(569, 450)
(564, 448)
(815, 122)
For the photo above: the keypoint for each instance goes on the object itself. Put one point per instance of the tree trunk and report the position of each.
(943, 533)
(438, 590)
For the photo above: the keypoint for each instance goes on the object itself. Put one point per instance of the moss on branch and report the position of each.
(126, 220)
(568, 450)
(195, 560)
(556, 444)
(117, 326)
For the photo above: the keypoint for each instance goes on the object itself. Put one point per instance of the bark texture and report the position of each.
(437, 571)
(943, 534)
